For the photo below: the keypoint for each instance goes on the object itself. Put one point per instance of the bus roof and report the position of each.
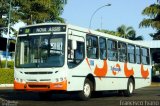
(150, 44)
(90, 31)
(93, 32)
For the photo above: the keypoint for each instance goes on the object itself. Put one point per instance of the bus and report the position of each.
(55, 57)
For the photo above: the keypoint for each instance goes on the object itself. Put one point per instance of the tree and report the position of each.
(38, 11)
(33, 11)
(30, 11)
(3, 13)
(107, 31)
(123, 31)
(126, 32)
(153, 12)
(134, 37)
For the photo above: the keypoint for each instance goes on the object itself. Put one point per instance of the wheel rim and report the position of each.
(87, 89)
(131, 88)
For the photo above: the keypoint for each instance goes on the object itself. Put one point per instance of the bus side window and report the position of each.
(103, 48)
(145, 56)
(79, 52)
(112, 50)
(138, 55)
(70, 53)
(75, 56)
(92, 47)
(122, 48)
(131, 53)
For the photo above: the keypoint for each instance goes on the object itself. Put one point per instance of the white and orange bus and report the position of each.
(62, 57)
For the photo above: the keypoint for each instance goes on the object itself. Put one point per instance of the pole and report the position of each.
(95, 13)
(9, 19)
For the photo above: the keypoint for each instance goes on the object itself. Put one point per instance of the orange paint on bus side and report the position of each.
(88, 63)
(128, 72)
(144, 73)
(100, 72)
(41, 86)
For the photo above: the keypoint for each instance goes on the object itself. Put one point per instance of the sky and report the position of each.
(127, 12)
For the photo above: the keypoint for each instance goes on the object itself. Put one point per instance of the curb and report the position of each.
(6, 85)
(155, 84)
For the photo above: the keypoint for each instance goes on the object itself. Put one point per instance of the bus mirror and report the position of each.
(74, 45)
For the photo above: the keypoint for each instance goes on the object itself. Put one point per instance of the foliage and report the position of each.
(10, 64)
(34, 11)
(30, 12)
(107, 31)
(153, 12)
(134, 37)
(6, 76)
(123, 31)
(156, 67)
(38, 11)
(126, 32)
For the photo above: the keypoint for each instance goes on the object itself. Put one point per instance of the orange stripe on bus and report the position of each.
(88, 63)
(40, 86)
(128, 72)
(101, 71)
(144, 73)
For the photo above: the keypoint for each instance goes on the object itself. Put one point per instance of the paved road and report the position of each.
(149, 96)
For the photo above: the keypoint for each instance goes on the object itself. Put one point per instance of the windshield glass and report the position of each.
(40, 51)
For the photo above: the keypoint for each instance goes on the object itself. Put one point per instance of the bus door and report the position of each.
(76, 49)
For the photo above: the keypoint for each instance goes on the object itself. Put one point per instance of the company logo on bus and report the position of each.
(116, 69)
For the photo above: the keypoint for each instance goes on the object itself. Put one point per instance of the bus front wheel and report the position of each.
(130, 88)
(85, 94)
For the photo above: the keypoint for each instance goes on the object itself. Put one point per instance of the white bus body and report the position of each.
(47, 60)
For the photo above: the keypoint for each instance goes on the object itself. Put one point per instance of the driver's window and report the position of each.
(76, 56)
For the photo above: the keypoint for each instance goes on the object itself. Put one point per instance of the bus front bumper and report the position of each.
(41, 86)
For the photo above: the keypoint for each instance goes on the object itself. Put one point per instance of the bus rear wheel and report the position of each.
(130, 88)
(85, 94)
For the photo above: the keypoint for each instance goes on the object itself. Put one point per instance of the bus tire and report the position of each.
(130, 88)
(85, 94)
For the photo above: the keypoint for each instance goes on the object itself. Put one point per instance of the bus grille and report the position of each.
(38, 73)
(38, 86)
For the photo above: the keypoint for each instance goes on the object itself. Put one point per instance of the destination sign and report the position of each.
(42, 29)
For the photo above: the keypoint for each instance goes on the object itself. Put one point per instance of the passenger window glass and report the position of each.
(75, 57)
(112, 50)
(145, 56)
(138, 55)
(92, 47)
(131, 53)
(122, 52)
(103, 51)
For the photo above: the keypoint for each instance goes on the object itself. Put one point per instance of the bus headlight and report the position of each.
(20, 80)
(60, 79)
(57, 80)
(16, 79)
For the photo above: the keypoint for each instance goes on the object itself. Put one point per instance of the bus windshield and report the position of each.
(40, 51)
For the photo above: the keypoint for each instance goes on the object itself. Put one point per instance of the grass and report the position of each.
(6, 76)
